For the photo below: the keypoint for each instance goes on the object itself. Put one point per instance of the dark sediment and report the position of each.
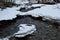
(45, 30)
(8, 28)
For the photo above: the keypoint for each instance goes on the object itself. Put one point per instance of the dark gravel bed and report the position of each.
(7, 28)
(44, 31)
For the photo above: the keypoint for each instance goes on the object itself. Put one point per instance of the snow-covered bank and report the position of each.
(8, 13)
(46, 11)
(21, 1)
(50, 11)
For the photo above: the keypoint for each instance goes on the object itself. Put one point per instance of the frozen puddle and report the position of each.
(25, 29)
(9, 13)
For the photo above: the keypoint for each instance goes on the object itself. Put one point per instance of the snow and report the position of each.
(8, 13)
(36, 5)
(25, 30)
(21, 1)
(33, 12)
(49, 11)
(46, 11)
(57, 6)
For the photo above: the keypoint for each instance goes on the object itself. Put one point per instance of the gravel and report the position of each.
(44, 31)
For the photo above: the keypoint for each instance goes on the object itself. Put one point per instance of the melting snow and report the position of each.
(8, 13)
(46, 11)
(25, 30)
(51, 11)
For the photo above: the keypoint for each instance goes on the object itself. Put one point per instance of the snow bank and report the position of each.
(57, 6)
(25, 30)
(36, 5)
(34, 13)
(8, 13)
(45, 11)
(49, 11)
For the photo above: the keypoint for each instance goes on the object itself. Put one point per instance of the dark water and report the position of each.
(44, 31)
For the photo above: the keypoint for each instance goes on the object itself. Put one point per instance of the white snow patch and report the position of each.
(36, 5)
(8, 13)
(57, 6)
(25, 30)
(49, 11)
(45, 11)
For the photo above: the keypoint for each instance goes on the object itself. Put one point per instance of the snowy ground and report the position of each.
(8, 13)
(50, 11)
(47, 11)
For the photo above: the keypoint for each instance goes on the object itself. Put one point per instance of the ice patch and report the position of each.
(25, 30)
